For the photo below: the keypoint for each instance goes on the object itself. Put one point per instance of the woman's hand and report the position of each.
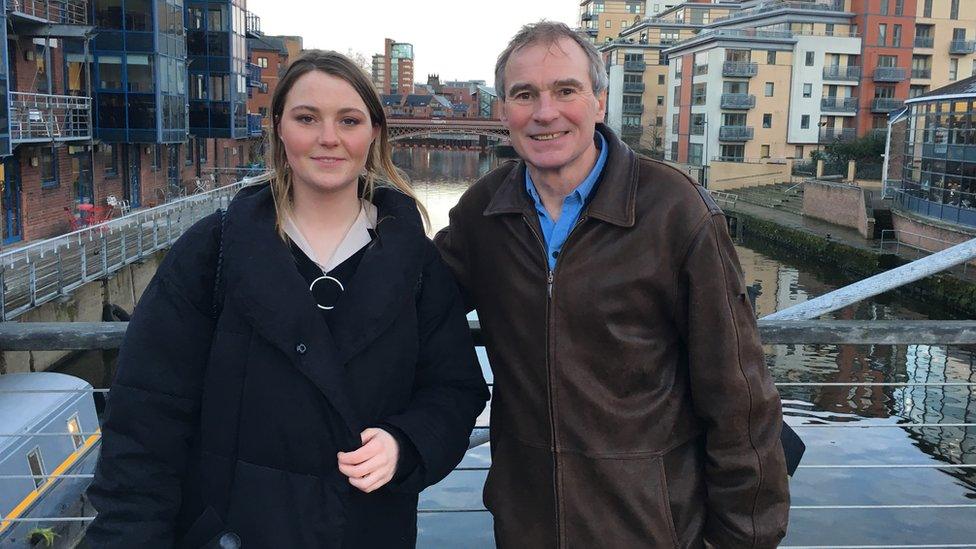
(374, 463)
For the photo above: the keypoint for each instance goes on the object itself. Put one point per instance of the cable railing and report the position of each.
(38, 117)
(43, 271)
(66, 12)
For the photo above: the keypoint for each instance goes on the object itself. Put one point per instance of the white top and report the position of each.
(355, 239)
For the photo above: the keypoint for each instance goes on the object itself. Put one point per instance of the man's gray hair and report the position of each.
(548, 33)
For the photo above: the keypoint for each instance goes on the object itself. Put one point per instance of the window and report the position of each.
(110, 158)
(896, 36)
(954, 9)
(202, 150)
(808, 90)
(809, 60)
(263, 62)
(188, 161)
(732, 153)
(674, 151)
(154, 158)
(771, 57)
(695, 154)
(49, 167)
(698, 124)
(882, 34)
(36, 464)
(829, 29)
(660, 79)
(764, 151)
(768, 120)
(110, 72)
(899, 7)
(623, 24)
(915, 91)
(674, 123)
(798, 152)
(769, 89)
(74, 427)
(607, 24)
(927, 10)
(884, 7)
(660, 100)
(698, 92)
(677, 96)
(659, 121)
(805, 122)
(953, 69)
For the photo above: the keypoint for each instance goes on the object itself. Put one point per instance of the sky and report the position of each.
(456, 40)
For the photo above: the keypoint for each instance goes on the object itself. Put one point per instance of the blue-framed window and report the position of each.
(48, 166)
(110, 159)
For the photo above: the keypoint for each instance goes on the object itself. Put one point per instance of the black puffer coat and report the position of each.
(230, 431)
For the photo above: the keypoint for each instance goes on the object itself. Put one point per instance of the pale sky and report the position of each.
(459, 40)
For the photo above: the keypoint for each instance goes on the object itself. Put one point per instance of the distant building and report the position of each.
(271, 56)
(393, 69)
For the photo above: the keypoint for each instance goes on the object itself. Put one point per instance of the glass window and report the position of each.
(154, 158)
(810, 58)
(142, 111)
(807, 90)
(198, 89)
(263, 62)
(660, 98)
(769, 89)
(36, 464)
(884, 7)
(882, 34)
(195, 18)
(110, 72)
(954, 9)
(216, 18)
(108, 14)
(767, 120)
(607, 23)
(202, 150)
(74, 427)
(138, 15)
(660, 79)
(111, 110)
(139, 69)
(110, 159)
(695, 154)
(771, 57)
(764, 151)
(899, 7)
(953, 68)
(49, 169)
(927, 9)
(896, 36)
(805, 121)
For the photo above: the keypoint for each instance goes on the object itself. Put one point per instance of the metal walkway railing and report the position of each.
(43, 271)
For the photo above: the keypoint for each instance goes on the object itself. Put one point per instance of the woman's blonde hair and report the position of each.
(379, 162)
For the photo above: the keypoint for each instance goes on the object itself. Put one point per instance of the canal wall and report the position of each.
(852, 263)
(85, 304)
(838, 203)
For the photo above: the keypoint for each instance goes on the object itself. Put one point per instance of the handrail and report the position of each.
(879, 283)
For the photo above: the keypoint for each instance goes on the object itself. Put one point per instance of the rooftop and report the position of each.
(964, 87)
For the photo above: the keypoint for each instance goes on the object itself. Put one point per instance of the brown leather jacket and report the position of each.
(632, 406)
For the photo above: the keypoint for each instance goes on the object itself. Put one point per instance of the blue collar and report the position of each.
(584, 189)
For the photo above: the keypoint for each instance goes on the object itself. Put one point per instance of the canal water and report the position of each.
(847, 463)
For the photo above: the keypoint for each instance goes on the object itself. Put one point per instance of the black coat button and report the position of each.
(301, 348)
(230, 540)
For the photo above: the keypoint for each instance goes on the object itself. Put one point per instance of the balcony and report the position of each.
(633, 109)
(254, 125)
(924, 41)
(885, 104)
(830, 135)
(252, 23)
(889, 74)
(839, 104)
(587, 16)
(837, 72)
(633, 87)
(253, 75)
(697, 129)
(59, 12)
(962, 47)
(38, 117)
(735, 133)
(740, 69)
(738, 101)
(922, 73)
(634, 66)
(630, 129)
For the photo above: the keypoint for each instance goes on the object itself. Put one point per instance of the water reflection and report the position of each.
(440, 177)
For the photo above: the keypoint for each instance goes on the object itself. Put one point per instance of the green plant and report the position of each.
(42, 535)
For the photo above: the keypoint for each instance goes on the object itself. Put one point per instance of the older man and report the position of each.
(632, 407)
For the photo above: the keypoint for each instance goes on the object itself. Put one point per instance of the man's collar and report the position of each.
(585, 188)
(614, 201)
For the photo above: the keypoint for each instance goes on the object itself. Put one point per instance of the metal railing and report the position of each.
(44, 271)
(253, 75)
(828, 135)
(36, 117)
(783, 6)
(737, 101)
(630, 108)
(633, 87)
(697, 129)
(920, 245)
(737, 33)
(886, 104)
(729, 199)
(921, 73)
(735, 133)
(837, 72)
(63, 12)
(741, 69)
(889, 74)
(252, 24)
(962, 47)
(839, 104)
(634, 66)
(254, 124)
(924, 41)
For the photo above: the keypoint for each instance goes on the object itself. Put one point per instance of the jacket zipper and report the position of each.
(550, 275)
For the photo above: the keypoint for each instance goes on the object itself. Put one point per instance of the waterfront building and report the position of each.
(931, 167)
(393, 69)
(604, 20)
(269, 57)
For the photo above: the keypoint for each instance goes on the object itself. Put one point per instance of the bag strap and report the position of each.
(218, 298)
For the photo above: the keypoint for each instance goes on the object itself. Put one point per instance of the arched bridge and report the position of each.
(402, 128)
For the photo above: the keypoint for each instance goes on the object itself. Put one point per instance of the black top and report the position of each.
(326, 293)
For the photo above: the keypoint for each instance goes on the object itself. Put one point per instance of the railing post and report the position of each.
(104, 255)
(84, 261)
(60, 273)
(122, 238)
(32, 273)
(3, 292)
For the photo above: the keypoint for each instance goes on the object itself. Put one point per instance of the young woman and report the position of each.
(298, 370)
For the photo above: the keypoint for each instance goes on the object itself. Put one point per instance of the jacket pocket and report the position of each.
(272, 507)
(618, 501)
(208, 532)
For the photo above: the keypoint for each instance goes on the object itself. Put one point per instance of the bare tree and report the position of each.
(361, 60)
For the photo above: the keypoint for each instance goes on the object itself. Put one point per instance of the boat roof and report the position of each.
(19, 412)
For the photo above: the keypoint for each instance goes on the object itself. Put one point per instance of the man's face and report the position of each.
(550, 108)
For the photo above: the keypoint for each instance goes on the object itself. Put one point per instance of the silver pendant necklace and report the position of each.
(325, 278)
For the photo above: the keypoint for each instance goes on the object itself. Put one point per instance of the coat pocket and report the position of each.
(619, 501)
(272, 507)
(208, 532)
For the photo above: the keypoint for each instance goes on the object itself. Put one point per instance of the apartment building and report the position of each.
(603, 20)
(393, 69)
(269, 57)
(638, 70)
(97, 106)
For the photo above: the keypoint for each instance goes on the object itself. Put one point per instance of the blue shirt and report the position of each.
(555, 232)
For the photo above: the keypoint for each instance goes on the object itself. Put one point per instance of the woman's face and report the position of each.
(327, 132)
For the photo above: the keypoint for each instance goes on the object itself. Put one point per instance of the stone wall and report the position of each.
(839, 204)
(724, 176)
